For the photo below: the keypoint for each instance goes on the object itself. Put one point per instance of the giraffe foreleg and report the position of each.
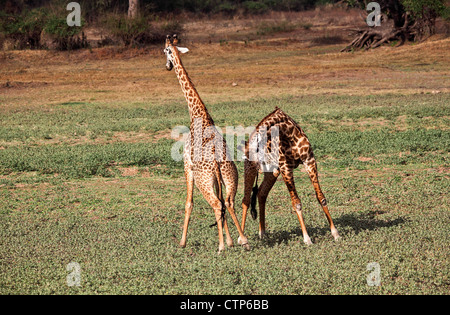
(189, 201)
(311, 168)
(266, 185)
(288, 177)
(250, 172)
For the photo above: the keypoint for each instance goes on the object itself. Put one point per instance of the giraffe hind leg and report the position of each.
(231, 184)
(224, 218)
(205, 178)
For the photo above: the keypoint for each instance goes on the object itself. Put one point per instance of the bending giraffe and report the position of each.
(206, 160)
(292, 148)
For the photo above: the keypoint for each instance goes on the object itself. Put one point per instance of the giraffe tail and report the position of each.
(254, 199)
(219, 194)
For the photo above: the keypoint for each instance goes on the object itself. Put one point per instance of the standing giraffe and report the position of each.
(293, 148)
(206, 162)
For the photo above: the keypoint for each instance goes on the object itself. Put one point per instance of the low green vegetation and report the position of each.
(25, 30)
(78, 140)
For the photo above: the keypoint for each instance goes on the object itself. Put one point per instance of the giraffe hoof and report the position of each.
(335, 234)
(243, 243)
(307, 240)
(262, 235)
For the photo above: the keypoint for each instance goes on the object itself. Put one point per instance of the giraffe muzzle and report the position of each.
(169, 65)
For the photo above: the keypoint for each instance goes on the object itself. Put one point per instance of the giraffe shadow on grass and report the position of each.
(347, 224)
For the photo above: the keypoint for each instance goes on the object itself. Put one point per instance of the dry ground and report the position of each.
(231, 67)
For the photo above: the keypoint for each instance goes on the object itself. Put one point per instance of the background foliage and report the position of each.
(23, 22)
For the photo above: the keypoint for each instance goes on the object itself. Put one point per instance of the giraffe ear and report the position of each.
(182, 50)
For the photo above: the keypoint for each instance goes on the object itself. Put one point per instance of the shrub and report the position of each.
(299, 5)
(25, 29)
(254, 7)
(138, 31)
(169, 27)
(64, 36)
(226, 8)
(129, 31)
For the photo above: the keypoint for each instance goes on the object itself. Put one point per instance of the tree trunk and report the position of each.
(133, 9)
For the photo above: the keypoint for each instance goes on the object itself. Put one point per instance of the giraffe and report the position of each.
(207, 163)
(293, 148)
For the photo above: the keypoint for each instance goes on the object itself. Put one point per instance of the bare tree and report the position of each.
(133, 9)
(401, 20)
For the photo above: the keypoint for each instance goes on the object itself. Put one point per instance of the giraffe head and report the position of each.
(171, 51)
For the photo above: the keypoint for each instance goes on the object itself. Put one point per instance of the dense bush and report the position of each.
(128, 31)
(30, 28)
(24, 30)
(229, 6)
(138, 31)
(95, 8)
(35, 24)
(65, 37)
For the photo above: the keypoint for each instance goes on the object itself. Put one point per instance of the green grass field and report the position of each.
(383, 167)
(89, 178)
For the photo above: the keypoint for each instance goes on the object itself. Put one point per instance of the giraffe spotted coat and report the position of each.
(293, 148)
(206, 163)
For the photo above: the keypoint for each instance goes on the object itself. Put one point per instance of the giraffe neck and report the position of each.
(197, 108)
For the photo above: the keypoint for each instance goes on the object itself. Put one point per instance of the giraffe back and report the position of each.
(293, 144)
